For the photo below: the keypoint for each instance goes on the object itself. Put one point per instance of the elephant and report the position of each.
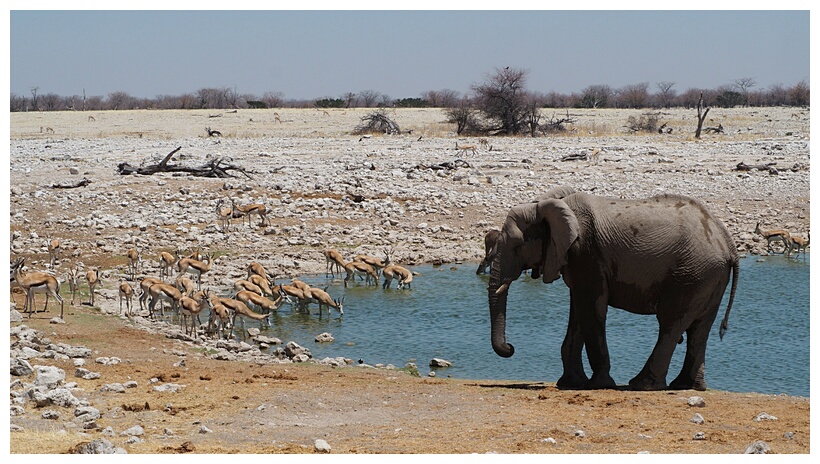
(665, 255)
(491, 238)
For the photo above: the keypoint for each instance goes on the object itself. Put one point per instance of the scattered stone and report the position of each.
(549, 440)
(113, 387)
(324, 337)
(49, 376)
(134, 440)
(98, 446)
(20, 367)
(203, 429)
(580, 433)
(699, 436)
(130, 384)
(168, 387)
(758, 447)
(697, 419)
(764, 417)
(50, 414)
(437, 362)
(697, 402)
(86, 374)
(136, 430)
(321, 446)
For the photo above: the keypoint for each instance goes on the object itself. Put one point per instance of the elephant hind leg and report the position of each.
(692, 374)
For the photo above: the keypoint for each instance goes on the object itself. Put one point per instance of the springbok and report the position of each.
(195, 268)
(92, 276)
(798, 243)
(773, 235)
(333, 259)
(36, 282)
(125, 293)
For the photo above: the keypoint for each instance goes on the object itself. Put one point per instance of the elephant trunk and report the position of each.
(497, 295)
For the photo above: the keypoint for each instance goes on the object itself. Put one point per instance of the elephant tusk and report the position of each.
(503, 288)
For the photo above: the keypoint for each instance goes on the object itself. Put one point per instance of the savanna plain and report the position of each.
(414, 195)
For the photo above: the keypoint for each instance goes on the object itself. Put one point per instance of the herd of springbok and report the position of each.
(253, 297)
(791, 243)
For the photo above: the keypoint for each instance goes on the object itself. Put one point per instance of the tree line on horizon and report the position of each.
(739, 92)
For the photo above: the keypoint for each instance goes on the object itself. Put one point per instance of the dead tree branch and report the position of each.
(213, 168)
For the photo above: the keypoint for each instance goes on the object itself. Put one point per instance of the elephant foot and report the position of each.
(683, 383)
(600, 382)
(645, 382)
(572, 381)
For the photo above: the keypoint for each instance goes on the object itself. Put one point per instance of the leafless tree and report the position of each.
(634, 96)
(502, 100)
(465, 116)
(274, 99)
(350, 99)
(596, 96)
(120, 101)
(799, 94)
(34, 98)
(444, 98)
(743, 85)
(369, 97)
(666, 93)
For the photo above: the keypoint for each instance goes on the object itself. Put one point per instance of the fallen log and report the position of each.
(213, 168)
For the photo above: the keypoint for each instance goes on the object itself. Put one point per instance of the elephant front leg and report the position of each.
(653, 374)
(574, 376)
(591, 313)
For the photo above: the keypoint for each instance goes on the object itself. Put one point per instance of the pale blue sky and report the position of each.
(310, 54)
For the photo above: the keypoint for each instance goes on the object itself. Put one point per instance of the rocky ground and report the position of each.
(327, 188)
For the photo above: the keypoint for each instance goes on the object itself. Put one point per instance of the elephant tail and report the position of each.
(735, 272)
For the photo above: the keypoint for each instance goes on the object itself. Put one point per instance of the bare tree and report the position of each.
(34, 98)
(701, 117)
(444, 98)
(503, 101)
(799, 94)
(369, 97)
(596, 96)
(120, 101)
(465, 116)
(350, 99)
(274, 99)
(666, 93)
(635, 95)
(743, 85)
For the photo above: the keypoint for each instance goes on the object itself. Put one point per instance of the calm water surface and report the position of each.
(445, 315)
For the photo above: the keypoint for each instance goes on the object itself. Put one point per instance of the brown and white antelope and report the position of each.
(125, 293)
(797, 243)
(255, 268)
(166, 263)
(185, 285)
(376, 263)
(196, 268)
(333, 259)
(73, 278)
(300, 285)
(774, 235)
(395, 271)
(134, 262)
(55, 249)
(92, 276)
(363, 270)
(263, 284)
(224, 215)
(161, 291)
(322, 298)
(36, 282)
(287, 291)
(246, 285)
(465, 148)
(145, 285)
(192, 307)
(220, 316)
(249, 210)
(241, 310)
(253, 300)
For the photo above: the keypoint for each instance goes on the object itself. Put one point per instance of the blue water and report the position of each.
(445, 315)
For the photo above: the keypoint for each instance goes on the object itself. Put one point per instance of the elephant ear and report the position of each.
(563, 231)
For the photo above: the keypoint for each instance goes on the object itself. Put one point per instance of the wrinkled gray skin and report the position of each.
(489, 250)
(665, 255)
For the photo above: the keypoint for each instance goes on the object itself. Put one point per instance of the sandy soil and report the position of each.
(302, 166)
